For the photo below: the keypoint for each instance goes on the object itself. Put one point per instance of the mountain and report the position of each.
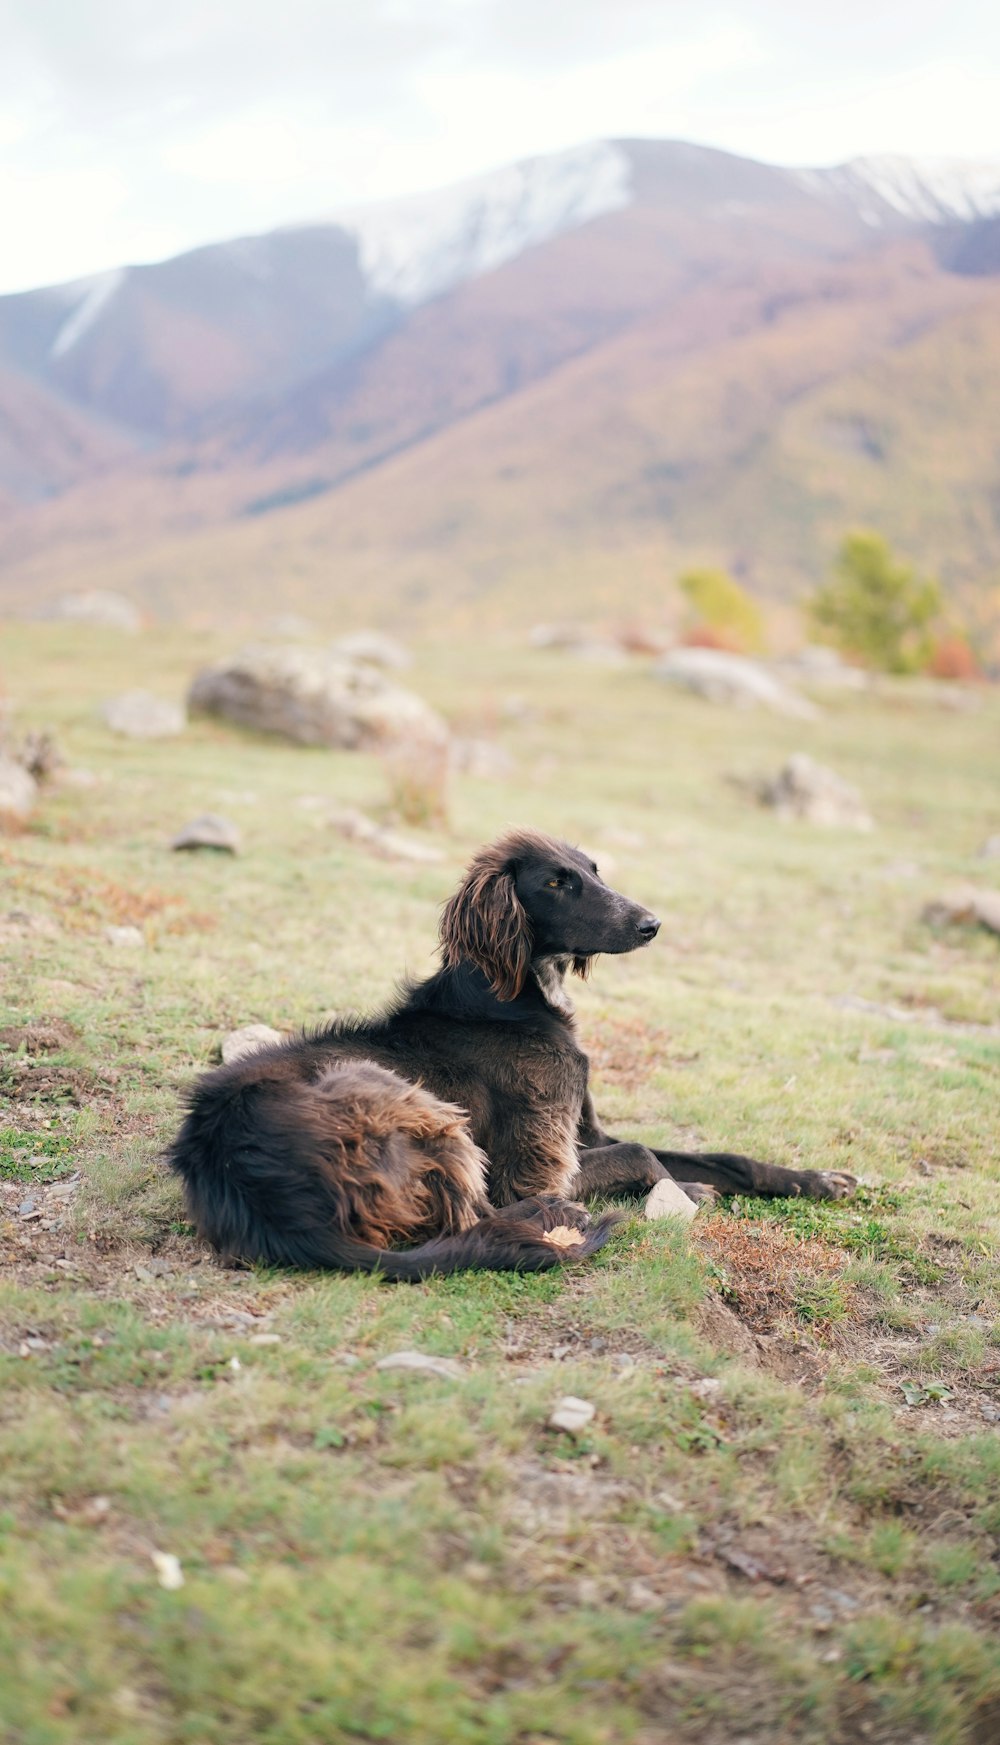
(547, 384)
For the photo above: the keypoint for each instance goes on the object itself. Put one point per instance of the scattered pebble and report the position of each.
(125, 938)
(571, 1414)
(422, 1363)
(265, 1339)
(247, 1040)
(168, 1570)
(209, 830)
(139, 715)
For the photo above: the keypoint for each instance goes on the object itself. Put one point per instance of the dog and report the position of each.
(456, 1129)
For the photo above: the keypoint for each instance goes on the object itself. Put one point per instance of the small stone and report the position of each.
(125, 938)
(965, 904)
(667, 1200)
(18, 792)
(100, 606)
(571, 1414)
(208, 830)
(807, 790)
(168, 1570)
(990, 849)
(707, 1389)
(247, 1040)
(422, 1363)
(140, 715)
(265, 1339)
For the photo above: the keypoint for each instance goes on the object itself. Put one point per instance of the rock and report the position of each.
(731, 678)
(139, 715)
(821, 668)
(990, 849)
(968, 905)
(667, 1200)
(375, 648)
(168, 1570)
(99, 606)
(208, 830)
(37, 752)
(388, 844)
(18, 793)
(422, 1363)
(576, 639)
(127, 938)
(314, 698)
(571, 1414)
(247, 1040)
(806, 789)
(483, 759)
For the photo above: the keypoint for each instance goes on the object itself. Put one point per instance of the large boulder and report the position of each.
(314, 698)
(806, 789)
(720, 677)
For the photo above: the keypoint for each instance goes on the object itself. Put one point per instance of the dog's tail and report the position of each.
(260, 1185)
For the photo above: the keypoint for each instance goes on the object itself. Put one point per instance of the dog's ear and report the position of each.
(485, 922)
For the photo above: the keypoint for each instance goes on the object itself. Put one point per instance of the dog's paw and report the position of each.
(701, 1193)
(831, 1184)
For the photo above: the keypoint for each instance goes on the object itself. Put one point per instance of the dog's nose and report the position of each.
(649, 927)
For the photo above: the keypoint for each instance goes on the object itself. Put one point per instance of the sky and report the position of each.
(130, 131)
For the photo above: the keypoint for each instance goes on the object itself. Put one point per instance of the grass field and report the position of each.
(782, 1523)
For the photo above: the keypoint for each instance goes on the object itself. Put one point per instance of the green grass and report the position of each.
(372, 1555)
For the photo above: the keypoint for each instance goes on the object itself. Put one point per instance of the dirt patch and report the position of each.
(42, 1036)
(28, 1081)
(769, 1275)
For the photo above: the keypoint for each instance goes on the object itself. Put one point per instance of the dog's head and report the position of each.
(529, 896)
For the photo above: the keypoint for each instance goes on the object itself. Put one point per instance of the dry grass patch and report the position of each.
(770, 1275)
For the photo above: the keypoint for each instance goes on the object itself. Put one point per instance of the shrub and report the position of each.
(876, 608)
(952, 658)
(719, 604)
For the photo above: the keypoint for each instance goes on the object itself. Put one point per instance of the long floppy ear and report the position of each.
(485, 922)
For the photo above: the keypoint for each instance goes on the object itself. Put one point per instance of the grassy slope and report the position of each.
(748, 422)
(796, 1556)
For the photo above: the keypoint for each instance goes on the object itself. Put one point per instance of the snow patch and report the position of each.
(97, 292)
(415, 248)
(921, 190)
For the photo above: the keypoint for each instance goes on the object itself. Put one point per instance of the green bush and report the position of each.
(719, 604)
(876, 608)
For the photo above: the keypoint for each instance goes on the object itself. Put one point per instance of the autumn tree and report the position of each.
(875, 607)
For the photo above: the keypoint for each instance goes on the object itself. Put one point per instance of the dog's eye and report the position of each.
(557, 882)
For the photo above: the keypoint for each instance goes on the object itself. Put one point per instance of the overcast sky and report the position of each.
(131, 130)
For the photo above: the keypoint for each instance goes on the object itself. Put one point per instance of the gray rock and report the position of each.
(247, 1040)
(125, 938)
(571, 1414)
(667, 1200)
(570, 638)
(807, 790)
(422, 1363)
(18, 793)
(314, 699)
(99, 606)
(139, 715)
(990, 849)
(966, 904)
(720, 677)
(208, 830)
(387, 844)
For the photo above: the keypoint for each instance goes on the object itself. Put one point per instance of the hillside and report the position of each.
(550, 385)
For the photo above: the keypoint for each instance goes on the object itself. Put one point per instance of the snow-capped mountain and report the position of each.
(890, 189)
(415, 248)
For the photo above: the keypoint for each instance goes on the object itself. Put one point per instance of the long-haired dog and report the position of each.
(455, 1130)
